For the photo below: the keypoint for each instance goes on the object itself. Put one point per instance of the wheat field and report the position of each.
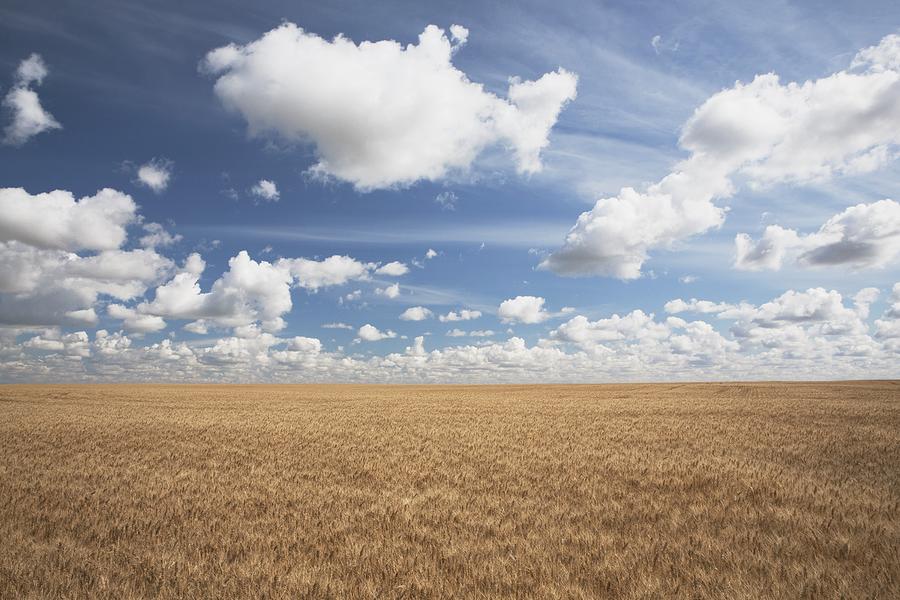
(765, 490)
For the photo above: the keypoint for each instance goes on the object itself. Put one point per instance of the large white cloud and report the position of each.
(381, 114)
(764, 132)
(28, 116)
(862, 236)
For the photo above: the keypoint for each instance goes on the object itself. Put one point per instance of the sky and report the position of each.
(424, 192)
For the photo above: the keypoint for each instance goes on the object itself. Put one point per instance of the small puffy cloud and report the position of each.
(353, 296)
(398, 114)
(266, 189)
(336, 325)
(698, 306)
(687, 279)
(370, 333)
(862, 236)
(155, 174)
(463, 315)
(28, 116)
(523, 309)
(157, 236)
(57, 220)
(392, 269)
(765, 132)
(391, 291)
(430, 254)
(334, 270)
(416, 313)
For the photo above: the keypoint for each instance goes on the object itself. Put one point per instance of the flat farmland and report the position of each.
(764, 490)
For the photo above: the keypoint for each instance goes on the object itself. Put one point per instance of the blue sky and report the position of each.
(133, 84)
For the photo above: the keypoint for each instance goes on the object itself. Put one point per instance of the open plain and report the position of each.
(765, 490)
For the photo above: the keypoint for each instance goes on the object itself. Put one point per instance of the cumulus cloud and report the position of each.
(398, 114)
(28, 117)
(391, 291)
(764, 132)
(463, 315)
(523, 309)
(416, 313)
(370, 333)
(135, 321)
(43, 278)
(155, 174)
(157, 236)
(266, 189)
(334, 270)
(247, 293)
(250, 295)
(862, 236)
(693, 305)
(430, 254)
(392, 269)
(57, 220)
(798, 334)
(337, 325)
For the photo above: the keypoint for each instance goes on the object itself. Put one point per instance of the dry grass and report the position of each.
(644, 491)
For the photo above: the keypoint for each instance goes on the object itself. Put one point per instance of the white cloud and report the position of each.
(155, 174)
(266, 189)
(370, 333)
(336, 326)
(43, 281)
(430, 254)
(393, 269)
(157, 236)
(762, 131)
(474, 333)
(57, 220)
(813, 333)
(247, 293)
(862, 236)
(463, 315)
(416, 313)
(446, 200)
(523, 309)
(135, 321)
(699, 306)
(398, 114)
(29, 118)
(391, 291)
(334, 270)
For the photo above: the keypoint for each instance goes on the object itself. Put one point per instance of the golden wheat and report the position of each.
(632, 491)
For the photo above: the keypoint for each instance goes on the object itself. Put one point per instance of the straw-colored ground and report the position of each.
(645, 491)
